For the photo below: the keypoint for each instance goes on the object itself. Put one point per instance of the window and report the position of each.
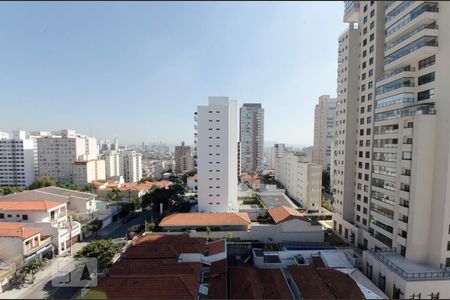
(372, 25)
(425, 95)
(434, 295)
(371, 61)
(427, 78)
(426, 62)
(371, 48)
(365, 31)
(372, 13)
(365, 20)
(381, 282)
(25, 217)
(372, 37)
(364, 42)
(2, 216)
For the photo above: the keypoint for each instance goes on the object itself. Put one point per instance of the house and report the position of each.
(49, 216)
(129, 191)
(166, 266)
(202, 221)
(21, 243)
(81, 206)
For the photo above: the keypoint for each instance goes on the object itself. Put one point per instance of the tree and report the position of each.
(70, 186)
(148, 178)
(103, 250)
(90, 188)
(43, 182)
(113, 194)
(6, 190)
(326, 179)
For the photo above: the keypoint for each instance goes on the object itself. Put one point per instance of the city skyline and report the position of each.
(126, 66)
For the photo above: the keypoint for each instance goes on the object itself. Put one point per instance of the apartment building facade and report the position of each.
(131, 165)
(216, 142)
(251, 137)
(301, 179)
(58, 153)
(277, 151)
(112, 163)
(18, 160)
(324, 115)
(184, 161)
(85, 171)
(400, 205)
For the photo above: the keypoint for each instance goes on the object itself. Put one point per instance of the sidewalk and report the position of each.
(35, 289)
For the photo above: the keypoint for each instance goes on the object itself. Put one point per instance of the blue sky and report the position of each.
(137, 70)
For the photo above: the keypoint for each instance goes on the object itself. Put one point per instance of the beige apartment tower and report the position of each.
(391, 165)
(324, 115)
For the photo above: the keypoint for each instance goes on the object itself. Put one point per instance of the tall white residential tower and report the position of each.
(217, 155)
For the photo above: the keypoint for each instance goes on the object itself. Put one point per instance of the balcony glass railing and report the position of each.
(382, 197)
(407, 36)
(395, 72)
(420, 43)
(384, 156)
(396, 99)
(382, 226)
(396, 11)
(397, 84)
(350, 6)
(427, 109)
(383, 184)
(424, 7)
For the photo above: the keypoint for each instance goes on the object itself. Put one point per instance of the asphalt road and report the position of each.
(43, 289)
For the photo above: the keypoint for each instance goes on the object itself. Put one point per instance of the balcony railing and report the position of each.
(433, 275)
(424, 7)
(406, 36)
(395, 72)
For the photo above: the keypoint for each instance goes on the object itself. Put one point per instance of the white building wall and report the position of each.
(17, 161)
(217, 155)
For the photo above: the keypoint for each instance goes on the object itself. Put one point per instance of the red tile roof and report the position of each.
(283, 213)
(218, 283)
(152, 268)
(10, 229)
(149, 269)
(36, 205)
(274, 284)
(164, 287)
(324, 283)
(244, 283)
(164, 246)
(216, 247)
(309, 283)
(318, 262)
(205, 219)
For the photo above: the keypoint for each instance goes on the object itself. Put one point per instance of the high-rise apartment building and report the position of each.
(18, 160)
(112, 163)
(277, 151)
(400, 168)
(251, 137)
(324, 114)
(57, 153)
(216, 139)
(131, 165)
(301, 179)
(184, 161)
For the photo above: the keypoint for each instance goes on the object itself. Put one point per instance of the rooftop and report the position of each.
(149, 269)
(164, 246)
(407, 268)
(218, 283)
(205, 219)
(35, 205)
(9, 229)
(283, 213)
(65, 192)
(324, 283)
(216, 247)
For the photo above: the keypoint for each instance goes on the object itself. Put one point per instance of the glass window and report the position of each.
(427, 78)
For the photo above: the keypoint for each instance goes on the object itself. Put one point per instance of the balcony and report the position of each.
(44, 243)
(417, 50)
(387, 75)
(423, 14)
(403, 38)
(407, 269)
(351, 11)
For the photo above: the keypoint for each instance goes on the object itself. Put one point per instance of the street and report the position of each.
(42, 287)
